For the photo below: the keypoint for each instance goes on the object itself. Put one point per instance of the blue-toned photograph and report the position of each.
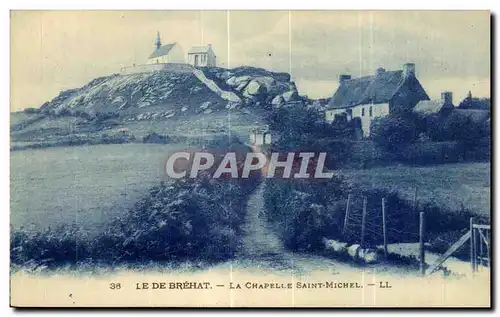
(250, 158)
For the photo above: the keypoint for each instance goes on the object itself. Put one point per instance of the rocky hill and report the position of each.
(192, 103)
(169, 93)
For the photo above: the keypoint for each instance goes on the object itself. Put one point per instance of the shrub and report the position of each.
(189, 219)
(304, 213)
(155, 138)
(395, 131)
(426, 153)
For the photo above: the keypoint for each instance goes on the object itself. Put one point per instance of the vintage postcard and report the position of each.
(250, 159)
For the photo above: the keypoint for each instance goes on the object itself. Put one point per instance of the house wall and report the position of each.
(252, 138)
(260, 138)
(176, 55)
(330, 114)
(267, 138)
(408, 95)
(377, 110)
(158, 60)
(209, 61)
(212, 59)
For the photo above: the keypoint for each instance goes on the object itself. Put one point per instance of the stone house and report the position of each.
(442, 106)
(374, 96)
(202, 56)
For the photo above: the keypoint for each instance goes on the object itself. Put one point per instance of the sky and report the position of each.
(56, 50)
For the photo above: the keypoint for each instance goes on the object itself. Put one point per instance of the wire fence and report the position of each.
(365, 221)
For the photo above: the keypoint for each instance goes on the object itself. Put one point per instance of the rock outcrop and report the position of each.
(354, 251)
(256, 85)
(173, 94)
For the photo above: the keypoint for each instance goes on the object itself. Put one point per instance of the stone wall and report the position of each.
(146, 68)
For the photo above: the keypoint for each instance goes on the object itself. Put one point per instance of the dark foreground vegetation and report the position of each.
(188, 219)
(304, 212)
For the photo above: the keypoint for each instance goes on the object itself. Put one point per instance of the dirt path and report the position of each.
(263, 250)
(261, 246)
(259, 239)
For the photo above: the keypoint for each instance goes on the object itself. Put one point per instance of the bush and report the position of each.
(428, 153)
(189, 219)
(296, 209)
(304, 213)
(365, 154)
(395, 131)
(155, 138)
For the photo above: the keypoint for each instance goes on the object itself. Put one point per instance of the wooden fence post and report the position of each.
(422, 249)
(487, 242)
(363, 223)
(481, 261)
(384, 228)
(476, 258)
(347, 209)
(472, 246)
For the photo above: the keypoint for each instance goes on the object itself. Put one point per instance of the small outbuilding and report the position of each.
(202, 56)
(260, 136)
(442, 106)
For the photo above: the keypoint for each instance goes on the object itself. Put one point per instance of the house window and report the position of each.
(371, 111)
(362, 112)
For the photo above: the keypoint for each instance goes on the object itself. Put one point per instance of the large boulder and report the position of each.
(269, 83)
(353, 251)
(290, 95)
(255, 88)
(241, 86)
(236, 81)
(278, 101)
(335, 246)
(225, 75)
(371, 256)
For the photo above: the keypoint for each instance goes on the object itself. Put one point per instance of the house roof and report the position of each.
(368, 89)
(431, 106)
(199, 49)
(261, 129)
(162, 50)
(476, 103)
(475, 115)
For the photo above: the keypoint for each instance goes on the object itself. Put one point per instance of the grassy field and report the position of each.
(86, 184)
(449, 184)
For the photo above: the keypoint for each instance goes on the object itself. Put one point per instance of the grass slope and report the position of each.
(448, 185)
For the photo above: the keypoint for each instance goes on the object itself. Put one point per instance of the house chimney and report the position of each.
(343, 77)
(379, 71)
(447, 97)
(409, 70)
